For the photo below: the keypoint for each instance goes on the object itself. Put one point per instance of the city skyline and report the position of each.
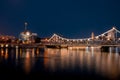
(72, 19)
(60, 39)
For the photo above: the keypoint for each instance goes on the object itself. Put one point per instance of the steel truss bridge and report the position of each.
(110, 37)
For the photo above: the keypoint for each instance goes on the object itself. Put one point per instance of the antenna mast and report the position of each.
(26, 25)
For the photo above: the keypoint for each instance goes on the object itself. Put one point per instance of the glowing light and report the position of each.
(16, 46)
(81, 40)
(119, 39)
(6, 45)
(2, 45)
(113, 28)
(97, 37)
(88, 39)
(28, 33)
(102, 34)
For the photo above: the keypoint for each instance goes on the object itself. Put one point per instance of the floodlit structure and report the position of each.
(27, 36)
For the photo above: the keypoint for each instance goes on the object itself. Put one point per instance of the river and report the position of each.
(47, 63)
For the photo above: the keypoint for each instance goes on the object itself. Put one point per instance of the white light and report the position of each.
(119, 38)
(28, 33)
(113, 27)
(97, 37)
(108, 38)
(6, 45)
(102, 34)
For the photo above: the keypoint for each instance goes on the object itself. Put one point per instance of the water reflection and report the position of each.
(91, 60)
(4, 53)
(28, 56)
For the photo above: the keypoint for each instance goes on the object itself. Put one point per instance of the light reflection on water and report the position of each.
(89, 60)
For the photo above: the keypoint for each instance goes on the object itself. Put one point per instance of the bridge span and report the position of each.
(110, 38)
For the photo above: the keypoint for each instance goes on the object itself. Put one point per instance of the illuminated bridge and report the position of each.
(108, 38)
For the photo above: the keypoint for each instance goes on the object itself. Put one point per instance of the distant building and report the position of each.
(27, 36)
(7, 39)
(44, 40)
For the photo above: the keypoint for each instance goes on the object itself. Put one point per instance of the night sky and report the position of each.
(68, 18)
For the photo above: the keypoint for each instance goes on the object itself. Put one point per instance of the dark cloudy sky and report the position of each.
(69, 18)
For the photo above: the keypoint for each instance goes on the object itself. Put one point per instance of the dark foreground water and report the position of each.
(90, 64)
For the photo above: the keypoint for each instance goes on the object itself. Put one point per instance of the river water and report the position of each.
(49, 63)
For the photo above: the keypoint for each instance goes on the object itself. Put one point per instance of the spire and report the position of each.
(26, 25)
(92, 35)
